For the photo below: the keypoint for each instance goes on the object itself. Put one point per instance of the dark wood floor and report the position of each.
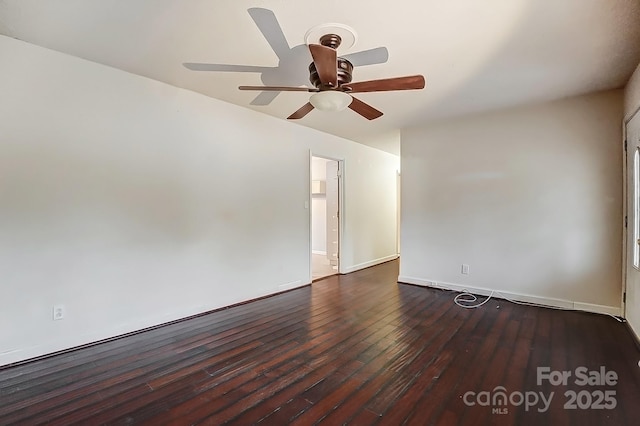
(358, 349)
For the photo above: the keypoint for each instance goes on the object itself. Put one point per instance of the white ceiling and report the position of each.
(475, 55)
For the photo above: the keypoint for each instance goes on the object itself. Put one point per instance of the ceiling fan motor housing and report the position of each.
(345, 70)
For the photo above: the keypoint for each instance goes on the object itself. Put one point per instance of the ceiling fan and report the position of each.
(291, 59)
(331, 75)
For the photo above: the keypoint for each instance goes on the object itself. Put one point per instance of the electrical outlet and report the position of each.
(58, 312)
(465, 269)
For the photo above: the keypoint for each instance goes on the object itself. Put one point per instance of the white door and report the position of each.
(632, 305)
(333, 214)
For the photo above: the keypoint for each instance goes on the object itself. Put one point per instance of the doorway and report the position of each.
(631, 298)
(325, 216)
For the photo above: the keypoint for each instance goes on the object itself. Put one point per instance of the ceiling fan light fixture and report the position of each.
(330, 100)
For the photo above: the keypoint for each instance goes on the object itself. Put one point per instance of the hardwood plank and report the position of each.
(383, 355)
(318, 358)
(283, 415)
(445, 383)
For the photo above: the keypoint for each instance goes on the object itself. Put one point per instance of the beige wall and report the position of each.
(133, 203)
(530, 198)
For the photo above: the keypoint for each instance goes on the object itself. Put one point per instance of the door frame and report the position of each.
(625, 223)
(625, 211)
(398, 209)
(341, 214)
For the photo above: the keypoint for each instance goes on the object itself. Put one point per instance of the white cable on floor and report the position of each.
(463, 299)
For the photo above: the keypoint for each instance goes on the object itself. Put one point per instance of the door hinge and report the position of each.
(624, 297)
(626, 221)
(625, 144)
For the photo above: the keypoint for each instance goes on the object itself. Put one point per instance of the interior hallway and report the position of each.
(320, 267)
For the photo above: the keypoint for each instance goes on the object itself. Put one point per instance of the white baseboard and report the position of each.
(290, 285)
(324, 253)
(349, 269)
(501, 294)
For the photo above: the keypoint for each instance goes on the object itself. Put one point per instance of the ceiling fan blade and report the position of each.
(306, 109)
(268, 25)
(364, 109)
(379, 55)
(326, 61)
(279, 88)
(387, 84)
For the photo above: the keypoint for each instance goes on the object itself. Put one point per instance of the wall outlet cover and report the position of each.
(58, 312)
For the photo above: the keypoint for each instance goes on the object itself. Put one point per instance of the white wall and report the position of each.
(319, 208)
(319, 224)
(530, 198)
(387, 141)
(133, 203)
(631, 106)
